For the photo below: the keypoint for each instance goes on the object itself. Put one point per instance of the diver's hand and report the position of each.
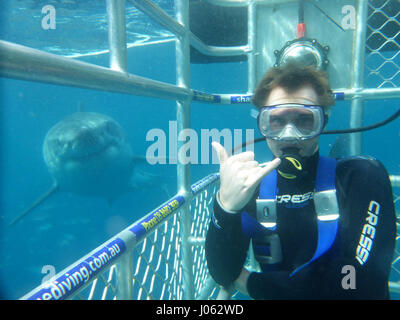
(240, 175)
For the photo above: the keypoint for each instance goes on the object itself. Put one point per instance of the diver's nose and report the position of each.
(289, 133)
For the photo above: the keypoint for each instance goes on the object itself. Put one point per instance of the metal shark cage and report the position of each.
(161, 256)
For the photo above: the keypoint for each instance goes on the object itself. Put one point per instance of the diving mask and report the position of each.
(292, 121)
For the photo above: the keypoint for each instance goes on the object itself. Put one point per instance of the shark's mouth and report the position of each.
(90, 142)
(79, 150)
(83, 146)
(85, 154)
(80, 138)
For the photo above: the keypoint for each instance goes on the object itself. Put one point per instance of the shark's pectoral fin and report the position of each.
(39, 201)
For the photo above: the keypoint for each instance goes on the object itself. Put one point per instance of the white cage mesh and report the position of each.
(157, 262)
(382, 44)
(396, 261)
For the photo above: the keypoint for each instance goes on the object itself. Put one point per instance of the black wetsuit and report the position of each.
(358, 182)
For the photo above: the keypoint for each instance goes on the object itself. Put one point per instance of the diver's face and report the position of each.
(305, 95)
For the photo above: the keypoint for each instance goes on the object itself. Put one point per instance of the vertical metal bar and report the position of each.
(251, 75)
(183, 80)
(183, 122)
(119, 62)
(117, 34)
(207, 288)
(224, 294)
(251, 40)
(395, 180)
(356, 113)
(124, 283)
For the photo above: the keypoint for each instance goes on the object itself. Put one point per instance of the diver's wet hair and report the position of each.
(292, 77)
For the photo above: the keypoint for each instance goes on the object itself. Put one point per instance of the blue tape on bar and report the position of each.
(77, 276)
(240, 99)
(157, 216)
(339, 96)
(201, 96)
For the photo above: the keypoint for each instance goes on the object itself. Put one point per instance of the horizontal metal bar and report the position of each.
(228, 3)
(221, 98)
(20, 62)
(197, 241)
(368, 93)
(244, 3)
(76, 277)
(341, 94)
(217, 51)
(161, 17)
(204, 183)
(150, 222)
(25, 63)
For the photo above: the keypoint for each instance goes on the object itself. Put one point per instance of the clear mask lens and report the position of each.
(290, 122)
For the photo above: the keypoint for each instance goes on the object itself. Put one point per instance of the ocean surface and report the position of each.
(68, 226)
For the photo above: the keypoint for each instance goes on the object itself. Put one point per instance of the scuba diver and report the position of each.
(319, 227)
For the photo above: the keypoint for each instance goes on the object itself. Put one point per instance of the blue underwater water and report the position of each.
(68, 226)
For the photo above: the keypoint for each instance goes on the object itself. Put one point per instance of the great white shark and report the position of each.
(88, 154)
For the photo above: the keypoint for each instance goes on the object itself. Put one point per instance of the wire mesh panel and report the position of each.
(383, 44)
(396, 261)
(101, 288)
(201, 209)
(156, 273)
(157, 270)
(158, 267)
